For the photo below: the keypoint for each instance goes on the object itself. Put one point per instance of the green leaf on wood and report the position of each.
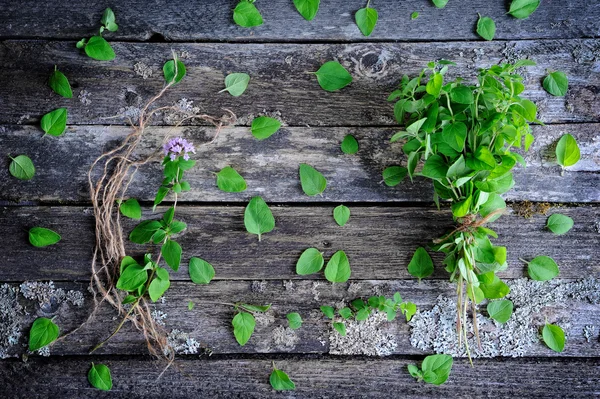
(366, 19)
(230, 181)
(486, 28)
(132, 278)
(99, 49)
(264, 127)
(436, 369)
(243, 327)
(55, 122)
(294, 320)
(338, 268)
(280, 381)
(131, 209)
(311, 261)
(258, 218)
(500, 310)
(100, 378)
(312, 180)
(420, 265)
(349, 145)
(173, 75)
(522, 9)
(440, 3)
(559, 224)
(247, 15)
(556, 83)
(159, 285)
(43, 332)
(201, 272)
(341, 214)
(567, 151)
(42, 237)
(236, 83)
(22, 167)
(393, 175)
(171, 252)
(554, 337)
(307, 8)
(333, 76)
(542, 268)
(59, 83)
(340, 328)
(328, 311)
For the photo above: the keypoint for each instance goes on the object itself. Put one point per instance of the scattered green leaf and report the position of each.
(559, 224)
(230, 181)
(567, 151)
(349, 145)
(264, 127)
(414, 15)
(333, 76)
(486, 28)
(247, 15)
(55, 122)
(554, 337)
(21, 167)
(42, 237)
(312, 180)
(100, 378)
(243, 327)
(294, 320)
(59, 83)
(522, 9)
(258, 218)
(341, 214)
(43, 332)
(174, 74)
(131, 209)
(420, 265)
(338, 268)
(280, 381)
(307, 8)
(366, 19)
(556, 83)
(542, 268)
(99, 49)
(201, 272)
(236, 83)
(500, 310)
(311, 261)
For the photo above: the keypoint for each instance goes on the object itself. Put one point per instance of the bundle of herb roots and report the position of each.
(466, 136)
(109, 177)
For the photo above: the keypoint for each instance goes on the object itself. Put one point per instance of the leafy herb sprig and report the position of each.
(466, 135)
(97, 47)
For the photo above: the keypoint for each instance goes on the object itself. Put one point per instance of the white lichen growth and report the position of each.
(589, 332)
(435, 329)
(284, 338)
(181, 343)
(84, 97)
(142, 70)
(45, 293)
(11, 313)
(159, 317)
(371, 337)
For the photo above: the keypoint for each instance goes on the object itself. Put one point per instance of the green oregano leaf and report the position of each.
(486, 28)
(171, 252)
(559, 224)
(338, 268)
(59, 83)
(143, 232)
(340, 328)
(440, 3)
(42, 237)
(307, 8)
(159, 285)
(236, 83)
(132, 278)
(542, 268)
(420, 265)
(100, 378)
(255, 308)
(311, 261)
(349, 145)
(312, 180)
(436, 369)
(414, 15)
(500, 310)
(328, 311)
(108, 20)
(393, 175)
(556, 83)
(131, 209)
(294, 320)
(333, 76)
(43, 332)
(55, 122)
(201, 272)
(21, 167)
(264, 127)
(128, 299)
(173, 76)
(522, 9)
(247, 15)
(280, 381)
(408, 309)
(98, 48)
(230, 181)
(345, 313)
(258, 218)
(567, 151)
(341, 214)
(366, 19)
(554, 337)
(243, 327)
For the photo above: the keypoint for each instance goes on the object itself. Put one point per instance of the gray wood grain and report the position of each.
(378, 241)
(209, 323)
(315, 377)
(280, 83)
(212, 20)
(270, 167)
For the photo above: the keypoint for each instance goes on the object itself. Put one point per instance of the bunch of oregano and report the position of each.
(466, 136)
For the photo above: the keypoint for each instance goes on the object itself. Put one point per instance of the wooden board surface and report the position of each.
(212, 20)
(379, 241)
(280, 82)
(270, 167)
(315, 377)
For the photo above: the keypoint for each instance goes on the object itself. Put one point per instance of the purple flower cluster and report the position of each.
(179, 146)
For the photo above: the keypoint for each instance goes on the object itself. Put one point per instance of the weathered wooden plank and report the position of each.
(315, 377)
(212, 20)
(280, 82)
(378, 241)
(270, 167)
(209, 322)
